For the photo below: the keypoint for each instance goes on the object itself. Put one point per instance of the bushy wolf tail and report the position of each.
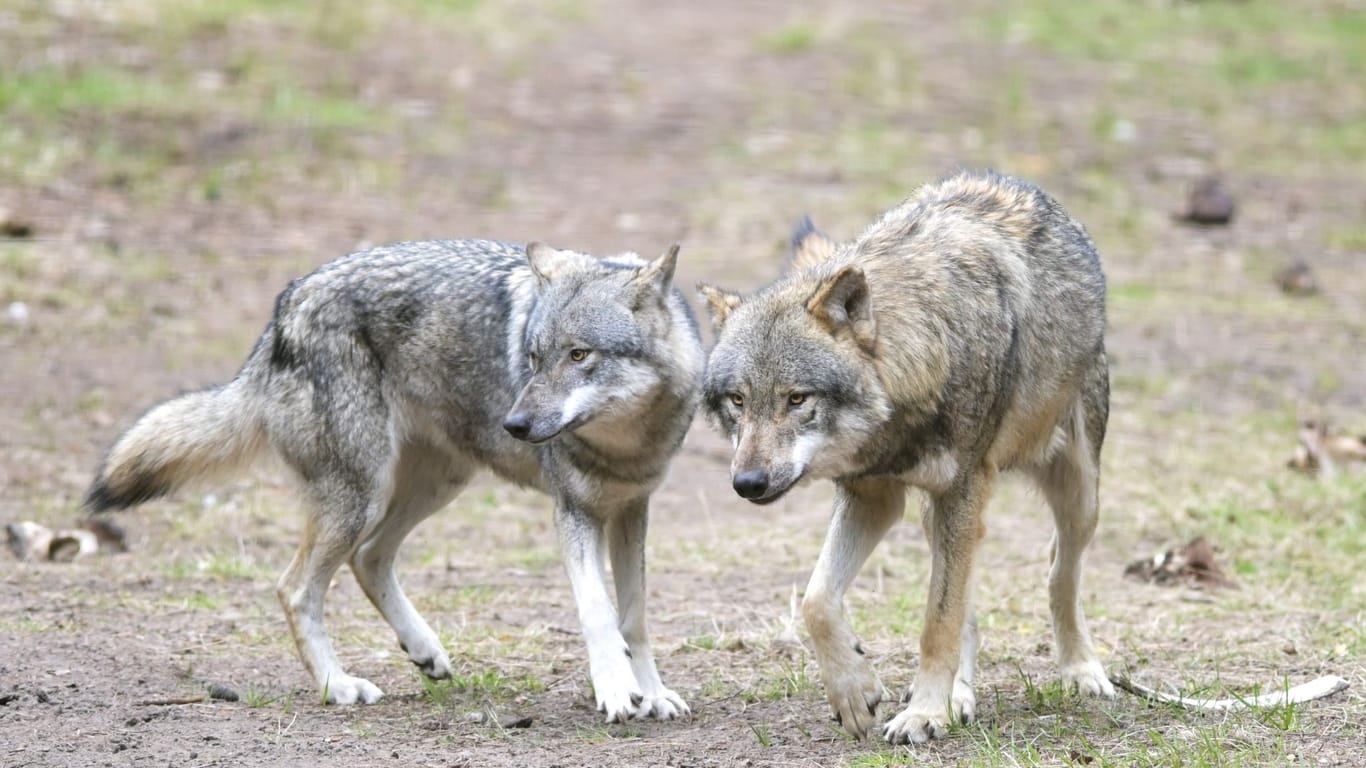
(204, 434)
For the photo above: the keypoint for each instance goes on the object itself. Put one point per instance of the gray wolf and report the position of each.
(961, 334)
(388, 377)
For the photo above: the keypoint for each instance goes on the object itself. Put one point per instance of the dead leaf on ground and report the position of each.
(1321, 453)
(1193, 565)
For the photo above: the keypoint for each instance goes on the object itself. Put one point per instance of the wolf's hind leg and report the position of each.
(609, 664)
(424, 481)
(864, 511)
(626, 545)
(331, 533)
(1069, 482)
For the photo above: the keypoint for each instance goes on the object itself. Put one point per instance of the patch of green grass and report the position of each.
(1301, 520)
(700, 643)
(1209, 61)
(52, 91)
(533, 559)
(897, 615)
(1250, 44)
(287, 103)
(217, 566)
(1351, 238)
(341, 25)
(715, 688)
(481, 683)
(878, 69)
(258, 698)
(197, 601)
(1146, 383)
(456, 599)
(781, 680)
(26, 626)
(1132, 292)
(790, 39)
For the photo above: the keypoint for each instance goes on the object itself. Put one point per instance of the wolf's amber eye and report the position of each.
(578, 355)
(737, 400)
(796, 398)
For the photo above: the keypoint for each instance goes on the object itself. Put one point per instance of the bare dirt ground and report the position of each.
(177, 163)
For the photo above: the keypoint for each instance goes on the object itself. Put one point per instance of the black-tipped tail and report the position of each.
(102, 497)
(196, 436)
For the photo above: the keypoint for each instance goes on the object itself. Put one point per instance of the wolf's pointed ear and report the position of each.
(720, 303)
(660, 272)
(842, 304)
(810, 246)
(546, 262)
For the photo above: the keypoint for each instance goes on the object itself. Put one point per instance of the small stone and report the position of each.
(222, 692)
(14, 228)
(17, 313)
(1297, 279)
(1209, 202)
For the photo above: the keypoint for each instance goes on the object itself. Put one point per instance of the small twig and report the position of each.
(171, 702)
(1317, 689)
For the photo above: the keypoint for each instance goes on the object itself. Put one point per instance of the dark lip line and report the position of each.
(570, 427)
(772, 497)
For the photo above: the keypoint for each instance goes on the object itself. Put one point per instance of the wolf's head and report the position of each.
(601, 342)
(792, 378)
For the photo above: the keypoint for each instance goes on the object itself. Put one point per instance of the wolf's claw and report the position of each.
(663, 704)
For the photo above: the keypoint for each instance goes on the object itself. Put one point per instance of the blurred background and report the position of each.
(167, 165)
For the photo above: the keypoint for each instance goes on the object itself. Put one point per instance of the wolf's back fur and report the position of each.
(994, 311)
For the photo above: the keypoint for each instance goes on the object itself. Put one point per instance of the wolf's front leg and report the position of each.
(627, 548)
(941, 695)
(609, 657)
(864, 511)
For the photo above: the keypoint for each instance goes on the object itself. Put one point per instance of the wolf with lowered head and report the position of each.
(961, 335)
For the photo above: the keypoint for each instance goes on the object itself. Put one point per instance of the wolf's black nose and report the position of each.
(751, 484)
(518, 425)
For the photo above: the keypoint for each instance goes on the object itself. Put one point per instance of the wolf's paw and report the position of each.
(916, 725)
(662, 704)
(345, 689)
(1087, 677)
(964, 701)
(429, 657)
(854, 693)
